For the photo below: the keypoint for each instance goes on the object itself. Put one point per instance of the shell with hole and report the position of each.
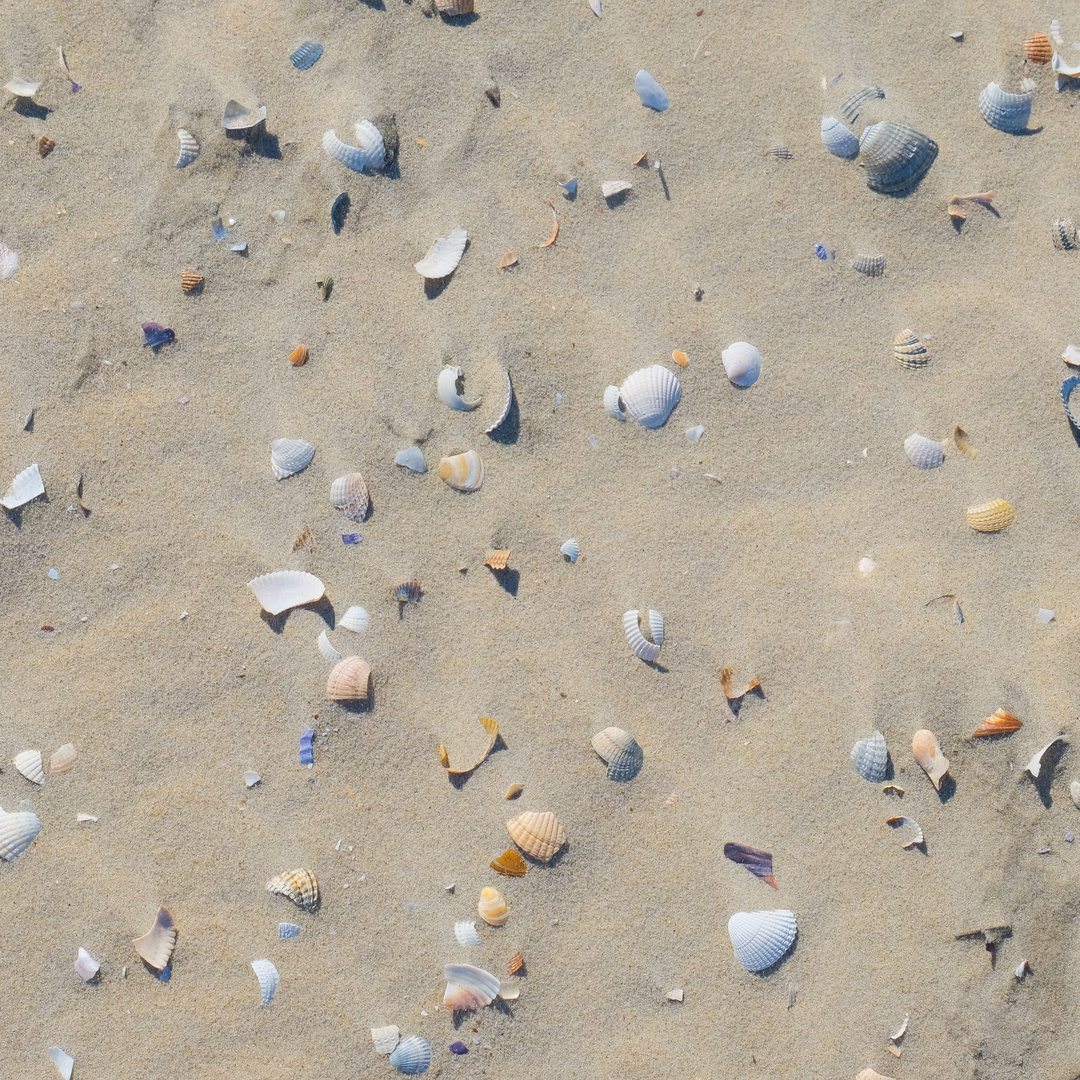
(761, 938)
(443, 256)
(350, 680)
(742, 363)
(871, 758)
(922, 452)
(27, 485)
(896, 157)
(189, 148)
(924, 747)
(284, 589)
(620, 750)
(156, 946)
(469, 987)
(537, 833)
(1004, 111)
(451, 385)
(28, 762)
(991, 516)
(909, 351)
(837, 139)
(412, 1055)
(17, 832)
(64, 758)
(647, 649)
(355, 619)
(300, 886)
(370, 153)
(650, 395)
(466, 934)
(492, 907)
(349, 494)
(290, 456)
(462, 472)
(268, 978)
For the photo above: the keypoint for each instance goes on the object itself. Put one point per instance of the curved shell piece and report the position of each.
(897, 157)
(463, 472)
(760, 938)
(1004, 111)
(492, 907)
(571, 549)
(26, 486)
(28, 762)
(538, 834)
(287, 930)
(326, 650)
(491, 726)
(1001, 723)
(742, 363)
(909, 351)
(64, 758)
(838, 140)
(992, 516)
(1034, 766)
(454, 8)
(612, 404)
(871, 758)
(924, 747)
(350, 494)
(923, 453)
(650, 395)
(350, 680)
(620, 750)
(610, 188)
(451, 384)
(853, 105)
(21, 87)
(63, 1061)
(412, 458)
(369, 155)
(189, 148)
(1074, 792)
(510, 864)
(505, 409)
(156, 946)
(650, 91)
(1067, 388)
(656, 626)
(412, 1055)
(17, 832)
(356, 619)
(238, 117)
(640, 646)
(1037, 48)
(758, 862)
(300, 886)
(1063, 234)
(443, 256)
(469, 987)
(899, 822)
(870, 265)
(86, 967)
(9, 263)
(1063, 70)
(466, 934)
(268, 978)
(306, 56)
(284, 589)
(290, 456)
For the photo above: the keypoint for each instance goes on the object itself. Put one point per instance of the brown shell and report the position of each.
(497, 560)
(157, 944)
(728, 686)
(909, 351)
(510, 864)
(298, 357)
(304, 539)
(509, 259)
(1001, 723)
(991, 517)
(299, 885)
(492, 907)
(350, 680)
(680, 358)
(514, 791)
(454, 7)
(190, 281)
(1037, 49)
(45, 145)
(538, 834)
(924, 746)
(517, 962)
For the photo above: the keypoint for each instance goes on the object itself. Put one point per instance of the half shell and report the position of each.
(837, 139)
(897, 157)
(650, 395)
(326, 649)
(742, 363)
(26, 486)
(28, 762)
(761, 938)
(505, 409)
(871, 758)
(924, 746)
(466, 934)
(268, 978)
(17, 832)
(451, 385)
(650, 91)
(189, 148)
(1005, 111)
(469, 987)
(898, 822)
(350, 680)
(350, 494)
(1034, 766)
(1001, 723)
(412, 458)
(156, 946)
(620, 750)
(538, 834)
(290, 456)
(923, 453)
(284, 589)
(571, 549)
(300, 886)
(909, 351)
(245, 121)
(355, 619)
(492, 907)
(640, 646)
(9, 263)
(870, 265)
(992, 516)
(412, 1055)
(1037, 48)
(443, 256)
(368, 155)
(463, 472)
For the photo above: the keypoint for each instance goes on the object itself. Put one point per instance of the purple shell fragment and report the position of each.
(155, 335)
(351, 538)
(458, 1048)
(307, 755)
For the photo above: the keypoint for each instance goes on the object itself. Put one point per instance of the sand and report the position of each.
(757, 571)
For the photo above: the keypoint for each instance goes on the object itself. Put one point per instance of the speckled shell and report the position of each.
(871, 758)
(300, 886)
(350, 680)
(17, 832)
(992, 516)
(1063, 234)
(925, 749)
(1037, 48)
(469, 987)
(463, 472)
(896, 157)
(284, 589)
(189, 148)
(854, 104)
(742, 363)
(290, 456)
(909, 351)
(538, 834)
(370, 154)
(760, 938)
(28, 762)
(837, 139)
(870, 265)
(621, 751)
(157, 944)
(650, 395)
(492, 907)
(922, 452)
(268, 978)
(412, 1055)
(350, 495)
(1004, 111)
(443, 256)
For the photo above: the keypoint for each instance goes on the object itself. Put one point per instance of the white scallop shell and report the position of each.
(370, 154)
(64, 1062)
(238, 117)
(1005, 111)
(17, 832)
(760, 938)
(449, 394)
(443, 256)
(290, 456)
(412, 457)
(871, 757)
(465, 932)
(284, 589)
(28, 762)
(656, 626)
(287, 930)
(922, 452)
(742, 363)
(620, 751)
(355, 619)
(505, 409)
(268, 978)
(22, 87)
(412, 1055)
(9, 262)
(469, 987)
(838, 139)
(26, 486)
(86, 967)
(650, 395)
(640, 646)
(189, 148)
(612, 404)
(571, 549)
(614, 187)
(385, 1038)
(326, 650)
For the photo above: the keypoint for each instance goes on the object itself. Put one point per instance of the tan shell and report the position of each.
(963, 442)
(300, 886)
(1037, 49)
(349, 493)
(157, 944)
(909, 350)
(492, 907)
(1001, 723)
(498, 560)
(63, 759)
(991, 517)
(298, 357)
(190, 280)
(538, 834)
(350, 680)
(45, 145)
(463, 472)
(928, 754)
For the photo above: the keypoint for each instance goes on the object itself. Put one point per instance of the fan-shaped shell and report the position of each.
(612, 405)
(157, 944)
(326, 649)
(469, 987)
(909, 351)
(538, 834)
(992, 516)
(237, 117)
(922, 452)
(1063, 234)
(620, 750)
(650, 395)
(17, 832)
(742, 363)
(268, 978)
(924, 747)
(443, 256)
(356, 619)
(760, 938)
(492, 907)
(451, 383)
(350, 680)
(463, 472)
(290, 456)
(350, 494)
(86, 967)
(189, 148)
(837, 139)
(1004, 111)
(505, 412)
(650, 91)
(306, 56)
(853, 105)
(284, 589)
(1001, 723)
(412, 458)
(28, 762)
(466, 933)
(870, 265)
(871, 758)
(412, 1055)
(571, 549)
(190, 280)
(897, 157)
(1037, 48)
(369, 155)
(26, 486)
(63, 759)
(640, 646)
(300, 886)
(510, 864)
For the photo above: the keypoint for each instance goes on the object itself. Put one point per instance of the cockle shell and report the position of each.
(640, 646)
(355, 619)
(510, 864)
(538, 834)
(1001, 723)
(27, 485)
(300, 886)
(469, 987)
(443, 256)
(571, 549)
(28, 762)
(306, 56)
(924, 746)
(1063, 234)
(350, 494)
(742, 363)
(157, 944)
(370, 154)
(298, 357)
(284, 589)
(466, 934)
(896, 157)
(350, 680)
(64, 758)
(909, 351)
(650, 91)
(189, 148)
(451, 384)
(385, 1038)
(620, 750)
(612, 404)
(326, 649)
(290, 456)
(190, 280)
(505, 412)
(268, 978)
(871, 758)
(837, 139)
(650, 395)
(1037, 48)
(610, 188)
(17, 832)
(1004, 111)
(922, 452)
(412, 1055)
(992, 516)
(761, 938)
(463, 472)
(492, 907)
(870, 265)
(853, 106)
(86, 967)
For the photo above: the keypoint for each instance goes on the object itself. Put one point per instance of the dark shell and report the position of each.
(339, 212)
(1067, 387)
(306, 56)
(896, 157)
(759, 863)
(307, 755)
(155, 335)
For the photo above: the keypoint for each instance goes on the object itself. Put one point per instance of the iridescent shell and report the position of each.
(909, 351)
(290, 456)
(510, 864)
(469, 987)
(492, 907)
(896, 157)
(742, 363)
(350, 680)
(1063, 234)
(443, 256)
(26, 486)
(922, 452)
(350, 495)
(156, 946)
(189, 148)
(284, 589)
(538, 834)
(28, 762)
(761, 938)
(871, 758)
(853, 106)
(370, 154)
(1037, 48)
(870, 265)
(268, 978)
(992, 516)
(643, 648)
(1004, 111)
(17, 832)
(300, 886)
(837, 139)
(924, 747)
(466, 934)
(412, 1055)
(650, 395)
(64, 758)
(1001, 723)
(650, 91)
(451, 385)
(463, 472)
(620, 750)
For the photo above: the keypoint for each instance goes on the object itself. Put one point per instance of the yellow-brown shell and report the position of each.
(190, 280)
(492, 907)
(928, 754)
(991, 517)
(45, 145)
(350, 680)
(298, 357)
(680, 358)
(510, 864)
(463, 472)
(538, 834)
(514, 791)
(1037, 49)
(1001, 723)
(497, 560)
(517, 962)
(299, 885)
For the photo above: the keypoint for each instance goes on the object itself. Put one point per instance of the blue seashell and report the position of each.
(412, 457)
(220, 232)
(155, 335)
(287, 930)
(412, 1055)
(1067, 387)
(351, 538)
(821, 251)
(571, 549)
(458, 1048)
(339, 211)
(570, 187)
(837, 139)
(307, 55)
(307, 755)
(650, 91)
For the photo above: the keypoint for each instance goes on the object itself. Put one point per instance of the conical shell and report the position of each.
(922, 452)
(63, 759)
(760, 938)
(17, 832)
(505, 412)
(870, 265)
(300, 886)
(896, 157)
(350, 680)
(492, 907)
(909, 351)
(837, 139)
(1001, 723)
(157, 944)
(28, 762)
(992, 516)
(463, 472)
(286, 589)
(450, 385)
(412, 1055)
(1004, 111)
(1037, 48)
(466, 934)
(355, 619)
(538, 834)
(290, 456)
(621, 751)
(189, 148)
(640, 646)
(469, 987)
(443, 256)
(871, 758)
(268, 978)
(742, 363)
(510, 864)
(650, 395)
(26, 486)
(924, 746)
(1063, 234)
(350, 495)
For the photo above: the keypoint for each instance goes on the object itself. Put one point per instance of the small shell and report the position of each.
(837, 139)
(268, 978)
(498, 560)
(412, 458)
(326, 650)
(759, 863)
(680, 358)
(612, 404)
(924, 746)
(1037, 48)
(190, 280)
(853, 106)
(286, 589)
(350, 495)
(782, 152)
(466, 934)
(761, 938)
(871, 758)
(514, 791)
(899, 822)
(492, 907)
(991, 517)
(189, 148)
(571, 549)
(1001, 723)
(45, 146)
(463, 472)
(923, 453)
(1063, 70)
(1004, 111)
(355, 619)
(306, 56)
(64, 758)
(1063, 234)
(307, 753)
(26, 486)
(28, 762)
(298, 357)
(517, 962)
(451, 383)
(86, 967)
(454, 8)
(650, 91)
(469, 987)
(640, 646)
(407, 591)
(650, 395)
(897, 157)
(505, 409)
(538, 834)
(727, 684)
(742, 363)
(963, 443)
(412, 1055)
(300, 886)
(350, 680)
(64, 1062)
(370, 154)
(17, 832)
(290, 456)
(1067, 388)
(1034, 766)
(510, 864)
(870, 265)
(251, 779)
(909, 351)
(156, 946)
(443, 256)
(22, 87)
(385, 1038)
(238, 118)
(9, 262)
(287, 930)
(611, 188)
(620, 750)
(1074, 791)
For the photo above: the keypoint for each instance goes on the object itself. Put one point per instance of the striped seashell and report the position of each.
(992, 516)
(412, 1055)
(64, 759)
(571, 549)
(498, 560)
(369, 155)
(537, 833)
(650, 395)
(28, 762)
(925, 749)
(612, 403)
(870, 265)
(300, 886)
(407, 592)
(189, 148)
(642, 647)
(45, 146)
(517, 962)
(871, 758)
(909, 351)
(242, 121)
(451, 384)
(306, 56)
(287, 930)
(1063, 234)
(778, 150)
(620, 750)
(17, 832)
(443, 256)
(1067, 388)
(469, 987)
(466, 933)
(86, 967)
(190, 280)
(492, 907)
(290, 456)
(758, 862)
(268, 978)
(350, 495)
(156, 946)
(411, 458)
(454, 8)
(350, 680)
(463, 472)
(510, 864)
(505, 409)
(355, 619)
(650, 91)
(1001, 723)
(326, 650)
(26, 486)
(923, 453)
(1037, 48)
(298, 357)
(742, 363)
(854, 104)
(897, 157)
(838, 140)
(385, 1038)
(1004, 111)
(610, 188)
(284, 589)
(761, 938)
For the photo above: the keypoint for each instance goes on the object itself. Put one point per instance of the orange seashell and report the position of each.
(517, 962)
(497, 560)
(928, 754)
(555, 227)
(298, 357)
(190, 281)
(514, 791)
(350, 680)
(492, 907)
(537, 834)
(680, 358)
(1001, 723)
(509, 259)
(1037, 49)
(510, 864)
(728, 686)
(45, 145)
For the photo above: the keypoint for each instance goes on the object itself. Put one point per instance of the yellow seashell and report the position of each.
(991, 517)
(463, 472)
(350, 680)
(492, 728)
(299, 885)
(537, 834)
(928, 754)
(492, 907)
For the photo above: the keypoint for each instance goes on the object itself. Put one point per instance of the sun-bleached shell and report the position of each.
(64, 1062)
(385, 1038)
(612, 403)
(899, 822)
(466, 933)
(611, 188)
(443, 256)
(355, 619)
(463, 472)
(1034, 766)
(28, 762)
(64, 758)
(896, 157)
(643, 648)
(761, 938)
(350, 680)
(870, 265)
(412, 458)
(86, 967)
(505, 411)
(9, 263)
(451, 384)
(370, 155)
(287, 930)
(17, 832)
(27, 485)
(326, 650)
(650, 395)
(189, 148)
(650, 91)
(909, 351)
(871, 758)
(537, 833)
(924, 747)
(469, 987)
(1004, 111)
(1001, 723)
(991, 516)
(300, 886)
(157, 944)
(923, 452)
(571, 549)
(349, 494)
(290, 456)
(454, 8)
(284, 589)
(412, 1055)
(620, 750)
(268, 978)
(21, 87)
(742, 363)
(838, 140)
(492, 907)
(238, 117)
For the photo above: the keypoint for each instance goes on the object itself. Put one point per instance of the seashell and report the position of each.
(620, 750)
(742, 363)
(284, 589)
(761, 938)
(407, 592)
(26, 486)
(300, 886)
(612, 403)
(1067, 388)
(614, 187)
(28, 762)
(1034, 766)
(412, 1055)
(189, 148)
(64, 758)
(1037, 48)
(305, 540)
(963, 443)
(899, 822)
(287, 930)
(492, 907)
(326, 650)
(759, 863)
(569, 186)
(1064, 71)
(443, 256)
(156, 946)
(454, 8)
(451, 384)
(782, 152)
(85, 817)
(190, 281)
(339, 211)
(1055, 31)
(897, 157)
(307, 56)
(650, 91)
(350, 495)
(1004, 111)
(1074, 791)
(1001, 723)
(498, 560)
(1063, 234)
(870, 265)
(469, 987)
(86, 967)
(307, 754)
(290, 456)
(656, 626)
(466, 934)
(17, 832)
(385, 1038)
(350, 680)
(538, 834)
(853, 106)
(508, 259)
(510, 864)
(21, 87)
(64, 1062)
(9, 262)
(514, 791)
(463, 472)
(923, 453)
(155, 335)
(871, 758)
(509, 993)
(517, 962)
(355, 619)
(248, 123)
(838, 140)
(1071, 355)
(924, 746)
(909, 351)
(650, 395)
(251, 779)
(492, 728)
(642, 647)
(268, 978)
(45, 146)
(727, 684)
(325, 285)
(298, 357)
(991, 517)
(505, 409)
(571, 549)
(369, 155)
(680, 358)
(412, 458)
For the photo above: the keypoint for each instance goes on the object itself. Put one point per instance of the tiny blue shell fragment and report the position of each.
(306, 56)
(570, 187)
(458, 1048)
(650, 91)
(155, 335)
(351, 538)
(307, 755)
(339, 211)
(412, 457)
(220, 232)
(287, 930)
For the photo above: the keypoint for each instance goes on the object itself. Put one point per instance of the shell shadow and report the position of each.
(322, 607)
(508, 431)
(947, 789)
(459, 20)
(358, 708)
(267, 146)
(736, 704)
(31, 109)
(508, 580)
(375, 5)
(617, 199)
(1042, 783)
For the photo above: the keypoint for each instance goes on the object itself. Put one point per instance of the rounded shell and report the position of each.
(17, 832)
(742, 363)
(897, 157)
(412, 1055)
(650, 395)
(492, 907)
(355, 619)
(621, 751)
(350, 680)
(922, 452)
(286, 589)
(871, 758)
(571, 549)
(369, 154)
(443, 256)
(992, 516)
(838, 140)
(451, 385)
(350, 494)
(290, 456)
(760, 938)
(469, 987)
(909, 351)
(300, 886)
(463, 472)
(538, 834)
(927, 752)
(28, 762)
(641, 646)
(650, 91)
(1004, 111)
(1037, 48)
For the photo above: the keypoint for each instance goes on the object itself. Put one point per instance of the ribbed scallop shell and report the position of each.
(1001, 723)
(443, 256)
(1037, 48)
(28, 762)
(571, 549)
(505, 412)
(306, 56)
(742, 363)
(760, 938)
(492, 907)
(909, 351)
(612, 405)
(64, 758)
(466, 933)
(922, 452)
(853, 106)
(287, 930)
(871, 758)
(412, 1055)
(268, 978)
(17, 832)
(27, 485)
(650, 395)
(189, 148)
(537, 833)
(284, 589)
(870, 265)
(157, 944)
(1063, 234)
(463, 472)
(992, 516)
(300, 886)
(290, 456)
(350, 495)
(350, 680)
(448, 383)
(356, 619)
(640, 646)
(469, 987)
(925, 749)
(837, 139)
(897, 157)
(1004, 111)
(326, 649)
(620, 750)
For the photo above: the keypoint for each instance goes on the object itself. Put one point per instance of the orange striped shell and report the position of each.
(298, 356)
(517, 962)
(1001, 723)
(1037, 49)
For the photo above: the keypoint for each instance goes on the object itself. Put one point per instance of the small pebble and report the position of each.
(593, 440)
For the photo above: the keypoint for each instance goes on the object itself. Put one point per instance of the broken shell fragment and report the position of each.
(674, 995)
(492, 907)
(469, 987)
(1001, 723)
(284, 589)
(268, 978)
(871, 758)
(17, 832)
(909, 351)
(385, 1038)
(1067, 388)
(1074, 791)
(26, 486)
(517, 962)
(621, 752)
(680, 358)
(298, 357)
(290, 456)
(190, 281)
(612, 404)
(350, 495)
(1004, 111)
(650, 91)
(300, 886)
(922, 452)
(287, 930)
(1037, 48)
(505, 412)
(991, 517)
(443, 256)
(898, 822)
(963, 443)
(21, 87)
(466, 934)
(853, 105)
(412, 1055)
(643, 648)
(462, 472)
(64, 758)
(355, 619)
(870, 265)
(326, 649)
(246, 123)
(1034, 766)
(742, 363)
(498, 560)
(350, 680)
(64, 1062)
(838, 140)
(611, 188)
(407, 592)
(761, 938)
(897, 157)
(727, 684)
(571, 549)
(28, 762)
(514, 791)
(924, 746)
(156, 946)
(412, 458)
(537, 833)
(492, 728)
(451, 384)
(306, 56)
(86, 967)
(1063, 234)
(510, 864)
(454, 8)
(759, 863)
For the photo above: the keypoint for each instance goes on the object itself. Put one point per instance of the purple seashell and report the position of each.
(156, 335)
(307, 755)
(458, 1048)
(351, 538)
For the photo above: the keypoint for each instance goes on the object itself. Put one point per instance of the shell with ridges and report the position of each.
(650, 395)
(290, 456)
(454, 8)
(571, 549)
(922, 452)
(189, 148)
(870, 265)
(190, 280)
(1037, 48)
(1067, 388)
(350, 680)
(63, 759)
(466, 934)
(349, 494)
(28, 762)
(761, 938)
(505, 409)
(871, 758)
(300, 886)
(1001, 723)
(451, 384)
(268, 978)
(443, 256)
(355, 619)
(897, 157)
(612, 405)
(992, 516)
(463, 472)
(837, 139)
(853, 105)
(17, 832)
(157, 944)
(909, 351)
(924, 747)
(537, 833)
(284, 589)
(412, 1055)
(469, 987)
(1004, 111)
(369, 155)
(492, 907)
(27, 485)
(640, 646)
(620, 750)
(326, 649)
(1063, 234)
(742, 363)
(306, 56)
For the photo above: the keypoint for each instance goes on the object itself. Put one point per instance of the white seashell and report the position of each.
(284, 589)
(349, 494)
(469, 987)
(370, 154)
(1058, 65)
(411, 457)
(385, 1038)
(22, 87)
(571, 549)
(64, 1062)
(871, 758)
(1074, 791)
(9, 262)
(412, 1055)
(1071, 355)
(1034, 766)
(1055, 32)
(463, 472)
(326, 650)
(26, 486)
(466, 934)
(640, 646)
(85, 817)
(614, 187)
(189, 148)
(86, 967)
(1005, 111)
(355, 619)
(64, 758)
(17, 832)
(28, 762)
(290, 456)
(451, 384)
(597, 7)
(742, 363)
(650, 395)
(620, 751)
(922, 452)
(760, 938)
(251, 779)
(656, 626)
(239, 118)
(505, 409)
(612, 404)
(443, 256)
(693, 434)
(650, 91)
(268, 978)
(838, 139)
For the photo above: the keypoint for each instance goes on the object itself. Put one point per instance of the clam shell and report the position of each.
(1063, 234)
(63, 759)
(268, 978)
(350, 680)
(412, 458)
(355, 619)
(412, 1055)
(611, 188)
(86, 967)
(443, 256)
(538, 834)
(28, 762)
(451, 383)
(469, 987)
(620, 750)
(290, 456)
(837, 139)
(924, 747)
(1001, 723)
(9, 263)
(640, 646)
(26, 486)
(650, 395)
(909, 351)
(1037, 48)
(156, 946)
(992, 516)
(22, 87)
(17, 832)
(369, 155)
(284, 589)
(385, 1038)
(510, 864)
(189, 148)
(326, 650)
(760, 938)
(871, 758)
(64, 1062)
(306, 56)
(897, 157)
(612, 405)
(466, 934)
(650, 91)
(505, 409)
(923, 453)
(350, 494)
(241, 119)
(571, 549)
(1004, 111)
(300, 886)
(492, 907)
(1067, 388)
(870, 265)
(463, 472)
(742, 363)
(853, 106)
(287, 930)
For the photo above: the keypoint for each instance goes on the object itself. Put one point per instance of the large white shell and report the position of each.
(640, 646)
(650, 91)
(922, 452)
(449, 392)
(760, 938)
(871, 757)
(612, 404)
(22, 87)
(385, 1038)
(650, 395)
(412, 1055)
(26, 486)
(469, 987)
(17, 832)
(505, 409)
(86, 967)
(268, 978)
(1005, 111)
(443, 256)
(742, 363)
(284, 589)
(326, 650)
(290, 456)
(355, 619)
(64, 1062)
(465, 932)
(370, 154)
(838, 139)
(621, 752)
(9, 262)
(189, 148)
(29, 763)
